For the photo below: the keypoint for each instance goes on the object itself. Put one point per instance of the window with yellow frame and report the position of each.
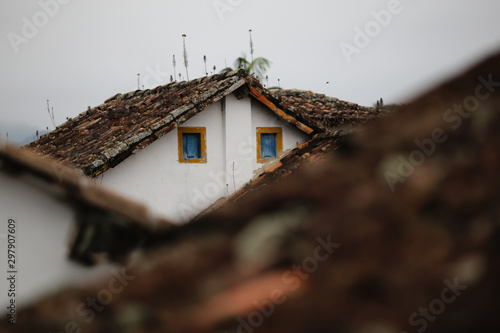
(192, 144)
(269, 143)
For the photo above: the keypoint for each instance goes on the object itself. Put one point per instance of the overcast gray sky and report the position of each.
(78, 53)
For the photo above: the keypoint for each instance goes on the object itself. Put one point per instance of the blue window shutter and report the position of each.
(191, 145)
(268, 145)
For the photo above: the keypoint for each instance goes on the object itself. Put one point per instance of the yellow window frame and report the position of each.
(203, 144)
(279, 142)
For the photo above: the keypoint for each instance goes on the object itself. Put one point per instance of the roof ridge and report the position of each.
(176, 84)
(308, 94)
(157, 90)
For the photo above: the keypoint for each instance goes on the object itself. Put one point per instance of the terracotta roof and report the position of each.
(102, 137)
(107, 213)
(324, 111)
(334, 249)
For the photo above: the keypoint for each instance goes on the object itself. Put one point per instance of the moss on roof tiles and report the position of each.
(324, 111)
(99, 137)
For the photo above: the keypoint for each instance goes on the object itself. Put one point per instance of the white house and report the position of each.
(45, 209)
(180, 147)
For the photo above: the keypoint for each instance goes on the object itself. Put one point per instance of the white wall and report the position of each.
(238, 125)
(179, 191)
(43, 226)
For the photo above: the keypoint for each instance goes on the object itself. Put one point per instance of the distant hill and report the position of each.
(19, 134)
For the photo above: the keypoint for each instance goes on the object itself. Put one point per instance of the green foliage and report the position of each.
(259, 66)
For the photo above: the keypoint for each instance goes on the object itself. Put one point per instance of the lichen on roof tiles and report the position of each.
(100, 137)
(324, 111)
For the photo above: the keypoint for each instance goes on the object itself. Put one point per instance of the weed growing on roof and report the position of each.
(186, 62)
(51, 114)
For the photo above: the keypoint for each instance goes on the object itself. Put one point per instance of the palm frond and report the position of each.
(258, 66)
(241, 62)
